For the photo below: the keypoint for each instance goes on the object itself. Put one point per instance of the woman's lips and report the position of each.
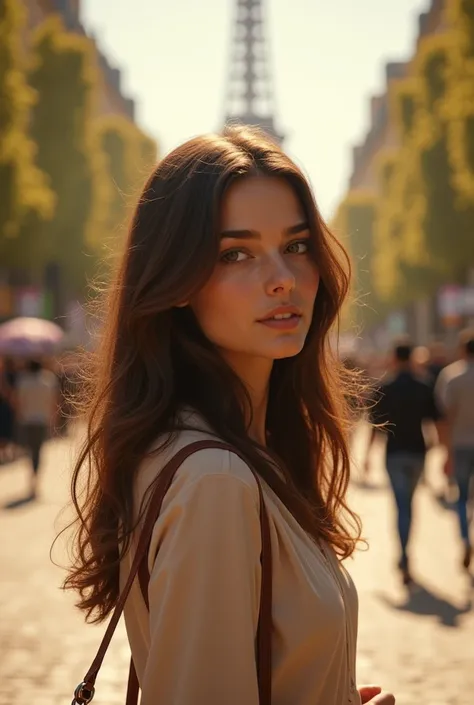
(282, 323)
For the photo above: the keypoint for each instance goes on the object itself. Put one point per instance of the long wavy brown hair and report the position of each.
(153, 359)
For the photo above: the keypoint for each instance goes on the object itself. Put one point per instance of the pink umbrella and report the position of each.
(29, 337)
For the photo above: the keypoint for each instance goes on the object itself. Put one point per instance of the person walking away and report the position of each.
(402, 404)
(455, 394)
(36, 404)
(421, 357)
(437, 362)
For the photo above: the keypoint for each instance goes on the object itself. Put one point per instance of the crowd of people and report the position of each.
(33, 407)
(423, 398)
(418, 398)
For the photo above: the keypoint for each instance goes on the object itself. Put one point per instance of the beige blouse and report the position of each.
(196, 646)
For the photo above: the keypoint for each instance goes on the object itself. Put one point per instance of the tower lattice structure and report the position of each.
(249, 95)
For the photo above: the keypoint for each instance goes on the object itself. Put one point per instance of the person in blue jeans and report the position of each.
(403, 402)
(455, 394)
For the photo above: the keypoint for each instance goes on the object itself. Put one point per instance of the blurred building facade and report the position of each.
(426, 317)
(110, 98)
(382, 133)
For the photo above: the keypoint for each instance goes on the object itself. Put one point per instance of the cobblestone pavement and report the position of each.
(418, 644)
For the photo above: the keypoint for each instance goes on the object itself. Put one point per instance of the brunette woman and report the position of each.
(217, 327)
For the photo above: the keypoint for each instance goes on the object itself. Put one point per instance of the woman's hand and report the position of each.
(373, 694)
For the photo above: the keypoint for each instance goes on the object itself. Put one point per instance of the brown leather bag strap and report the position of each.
(85, 690)
(133, 687)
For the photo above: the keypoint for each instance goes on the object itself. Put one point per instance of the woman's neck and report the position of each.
(258, 425)
(255, 375)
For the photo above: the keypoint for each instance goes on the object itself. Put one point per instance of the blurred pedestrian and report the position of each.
(421, 366)
(217, 330)
(8, 379)
(36, 404)
(403, 402)
(438, 359)
(455, 392)
(420, 362)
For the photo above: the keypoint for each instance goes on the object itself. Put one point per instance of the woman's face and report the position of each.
(259, 300)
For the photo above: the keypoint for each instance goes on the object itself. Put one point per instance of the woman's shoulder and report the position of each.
(207, 465)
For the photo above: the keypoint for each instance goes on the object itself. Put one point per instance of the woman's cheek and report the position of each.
(222, 305)
(234, 287)
(310, 278)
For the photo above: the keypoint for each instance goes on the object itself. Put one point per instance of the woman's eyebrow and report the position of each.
(299, 228)
(255, 235)
(241, 234)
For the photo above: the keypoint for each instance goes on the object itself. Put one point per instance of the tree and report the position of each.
(387, 229)
(404, 265)
(130, 155)
(355, 223)
(423, 231)
(147, 152)
(24, 190)
(422, 228)
(64, 75)
(459, 106)
(450, 208)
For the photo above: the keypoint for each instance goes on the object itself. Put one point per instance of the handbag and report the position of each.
(84, 692)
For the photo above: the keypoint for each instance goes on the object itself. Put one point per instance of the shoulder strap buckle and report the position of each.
(83, 694)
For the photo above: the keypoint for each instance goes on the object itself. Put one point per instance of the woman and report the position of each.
(36, 402)
(217, 326)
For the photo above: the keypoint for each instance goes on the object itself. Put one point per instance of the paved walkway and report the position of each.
(418, 644)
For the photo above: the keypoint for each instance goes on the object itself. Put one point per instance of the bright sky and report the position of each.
(327, 59)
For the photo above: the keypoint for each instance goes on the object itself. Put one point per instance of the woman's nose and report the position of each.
(280, 278)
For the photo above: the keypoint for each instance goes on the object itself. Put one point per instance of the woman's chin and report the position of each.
(275, 350)
(288, 348)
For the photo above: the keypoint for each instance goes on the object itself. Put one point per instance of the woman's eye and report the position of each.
(232, 256)
(298, 248)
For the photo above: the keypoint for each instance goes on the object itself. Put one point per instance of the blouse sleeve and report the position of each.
(204, 595)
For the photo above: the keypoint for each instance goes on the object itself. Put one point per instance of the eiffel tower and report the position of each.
(249, 95)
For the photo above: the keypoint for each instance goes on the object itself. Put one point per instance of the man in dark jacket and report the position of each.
(403, 402)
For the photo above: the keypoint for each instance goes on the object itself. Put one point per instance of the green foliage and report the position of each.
(66, 177)
(423, 203)
(466, 17)
(429, 206)
(360, 221)
(408, 108)
(114, 146)
(356, 222)
(387, 171)
(435, 76)
(449, 223)
(469, 142)
(467, 9)
(63, 76)
(23, 187)
(129, 155)
(147, 152)
(441, 217)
